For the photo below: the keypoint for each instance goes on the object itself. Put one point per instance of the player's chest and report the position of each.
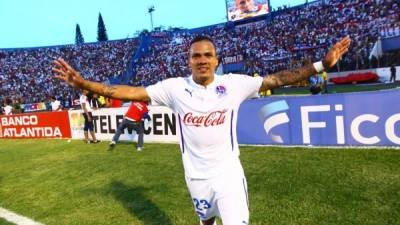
(205, 100)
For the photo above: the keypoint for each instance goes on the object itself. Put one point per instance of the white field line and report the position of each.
(16, 219)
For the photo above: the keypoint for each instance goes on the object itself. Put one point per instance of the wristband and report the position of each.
(318, 66)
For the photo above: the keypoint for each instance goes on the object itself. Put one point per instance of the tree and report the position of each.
(101, 30)
(78, 35)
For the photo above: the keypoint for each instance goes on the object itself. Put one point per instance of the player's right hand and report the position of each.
(66, 73)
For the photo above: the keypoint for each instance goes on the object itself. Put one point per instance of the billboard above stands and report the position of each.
(242, 9)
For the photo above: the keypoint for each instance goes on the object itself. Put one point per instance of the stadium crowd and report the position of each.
(285, 39)
(26, 77)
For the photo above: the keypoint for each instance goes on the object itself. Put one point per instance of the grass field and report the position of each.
(55, 182)
(4, 222)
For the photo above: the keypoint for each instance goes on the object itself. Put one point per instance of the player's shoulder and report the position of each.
(167, 86)
(242, 81)
(235, 77)
(173, 81)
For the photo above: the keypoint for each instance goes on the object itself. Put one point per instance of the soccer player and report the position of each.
(207, 107)
(87, 115)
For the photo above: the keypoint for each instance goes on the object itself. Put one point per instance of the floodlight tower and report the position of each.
(150, 10)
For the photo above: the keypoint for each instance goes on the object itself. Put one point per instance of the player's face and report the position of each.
(246, 5)
(203, 62)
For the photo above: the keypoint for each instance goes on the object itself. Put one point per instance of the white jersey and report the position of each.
(55, 106)
(7, 110)
(84, 99)
(207, 119)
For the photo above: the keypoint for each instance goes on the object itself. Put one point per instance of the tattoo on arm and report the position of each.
(286, 77)
(102, 89)
(109, 91)
(123, 92)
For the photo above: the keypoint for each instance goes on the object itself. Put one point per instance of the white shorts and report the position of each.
(224, 196)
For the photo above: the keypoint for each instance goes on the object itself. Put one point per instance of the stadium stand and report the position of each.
(25, 74)
(284, 40)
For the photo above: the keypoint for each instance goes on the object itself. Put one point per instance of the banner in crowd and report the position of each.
(161, 128)
(34, 107)
(35, 125)
(361, 119)
(307, 47)
(390, 43)
(232, 59)
(233, 67)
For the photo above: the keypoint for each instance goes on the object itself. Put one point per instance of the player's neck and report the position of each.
(203, 81)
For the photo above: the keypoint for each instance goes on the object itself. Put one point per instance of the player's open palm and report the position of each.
(65, 72)
(336, 52)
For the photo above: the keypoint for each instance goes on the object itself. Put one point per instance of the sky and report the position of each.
(35, 23)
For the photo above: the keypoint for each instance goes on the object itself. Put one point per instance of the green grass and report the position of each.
(56, 182)
(336, 89)
(4, 222)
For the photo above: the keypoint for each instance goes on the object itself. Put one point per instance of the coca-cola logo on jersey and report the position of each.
(212, 119)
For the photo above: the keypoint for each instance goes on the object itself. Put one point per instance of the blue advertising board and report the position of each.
(349, 119)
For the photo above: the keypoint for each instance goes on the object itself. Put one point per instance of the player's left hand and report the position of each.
(336, 52)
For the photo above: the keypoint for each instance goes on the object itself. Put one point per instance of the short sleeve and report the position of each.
(161, 92)
(247, 86)
(82, 99)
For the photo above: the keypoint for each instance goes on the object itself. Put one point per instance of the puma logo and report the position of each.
(190, 92)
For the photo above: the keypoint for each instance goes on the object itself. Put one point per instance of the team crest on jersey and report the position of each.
(220, 89)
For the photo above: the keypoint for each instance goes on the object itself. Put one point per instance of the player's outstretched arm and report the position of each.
(293, 76)
(72, 77)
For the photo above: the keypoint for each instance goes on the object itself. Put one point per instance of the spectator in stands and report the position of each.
(206, 106)
(17, 106)
(133, 120)
(316, 84)
(393, 73)
(87, 115)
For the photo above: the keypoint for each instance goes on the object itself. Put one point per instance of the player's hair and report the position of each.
(202, 38)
